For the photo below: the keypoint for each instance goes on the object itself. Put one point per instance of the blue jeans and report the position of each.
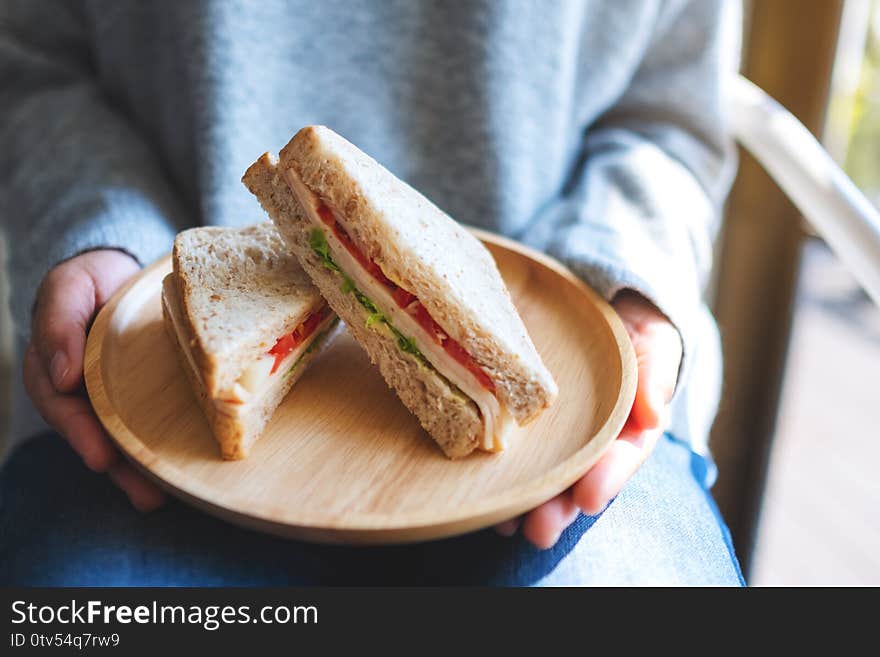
(61, 524)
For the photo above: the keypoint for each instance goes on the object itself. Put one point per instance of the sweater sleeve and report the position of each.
(77, 175)
(642, 207)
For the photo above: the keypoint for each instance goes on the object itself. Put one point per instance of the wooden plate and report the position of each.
(342, 460)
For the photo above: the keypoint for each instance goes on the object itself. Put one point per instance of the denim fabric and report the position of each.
(664, 529)
(63, 525)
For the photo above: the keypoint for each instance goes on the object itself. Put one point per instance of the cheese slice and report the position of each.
(497, 421)
(257, 380)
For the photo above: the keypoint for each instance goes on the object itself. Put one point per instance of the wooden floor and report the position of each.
(821, 519)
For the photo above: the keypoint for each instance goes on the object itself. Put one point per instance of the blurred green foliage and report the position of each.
(863, 150)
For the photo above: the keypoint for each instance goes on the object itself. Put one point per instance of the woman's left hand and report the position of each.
(658, 353)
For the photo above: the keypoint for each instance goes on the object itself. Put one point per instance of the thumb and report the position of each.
(64, 309)
(69, 296)
(658, 352)
(658, 349)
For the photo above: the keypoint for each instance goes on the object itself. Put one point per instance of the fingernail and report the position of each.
(508, 528)
(58, 369)
(553, 541)
(597, 511)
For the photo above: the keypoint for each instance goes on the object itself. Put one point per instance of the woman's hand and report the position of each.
(69, 297)
(658, 353)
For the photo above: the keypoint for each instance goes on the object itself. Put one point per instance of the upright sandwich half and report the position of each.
(417, 291)
(246, 321)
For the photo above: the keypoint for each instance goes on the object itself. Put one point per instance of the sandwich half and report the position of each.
(420, 293)
(246, 322)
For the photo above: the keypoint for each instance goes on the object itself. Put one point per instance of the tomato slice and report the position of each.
(402, 297)
(455, 350)
(281, 350)
(405, 299)
(374, 270)
(326, 215)
(424, 319)
(286, 344)
(311, 323)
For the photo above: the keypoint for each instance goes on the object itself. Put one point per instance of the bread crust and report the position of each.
(452, 420)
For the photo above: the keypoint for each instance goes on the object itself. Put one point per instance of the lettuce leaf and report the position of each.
(374, 318)
(318, 242)
(366, 302)
(407, 344)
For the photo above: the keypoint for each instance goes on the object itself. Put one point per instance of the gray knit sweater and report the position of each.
(590, 129)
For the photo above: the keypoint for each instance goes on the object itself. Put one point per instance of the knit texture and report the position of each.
(593, 130)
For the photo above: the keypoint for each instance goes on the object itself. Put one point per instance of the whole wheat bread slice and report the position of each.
(427, 253)
(451, 419)
(240, 290)
(235, 434)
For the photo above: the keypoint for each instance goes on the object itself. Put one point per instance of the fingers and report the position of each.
(597, 488)
(68, 298)
(658, 350)
(69, 415)
(543, 526)
(144, 495)
(72, 416)
(649, 406)
(508, 527)
(65, 308)
(591, 494)
(658, 354)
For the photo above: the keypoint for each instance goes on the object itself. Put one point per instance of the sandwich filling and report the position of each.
(279, 362)
(271, 369)
(390, 305)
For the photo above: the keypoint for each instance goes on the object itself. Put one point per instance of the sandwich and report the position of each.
(419, 292)
(246, 321)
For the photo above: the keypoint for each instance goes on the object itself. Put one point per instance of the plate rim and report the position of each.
(378, 528)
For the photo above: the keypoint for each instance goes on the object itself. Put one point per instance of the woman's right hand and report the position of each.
(69, 297)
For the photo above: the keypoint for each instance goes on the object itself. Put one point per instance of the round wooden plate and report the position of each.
(342, 460)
